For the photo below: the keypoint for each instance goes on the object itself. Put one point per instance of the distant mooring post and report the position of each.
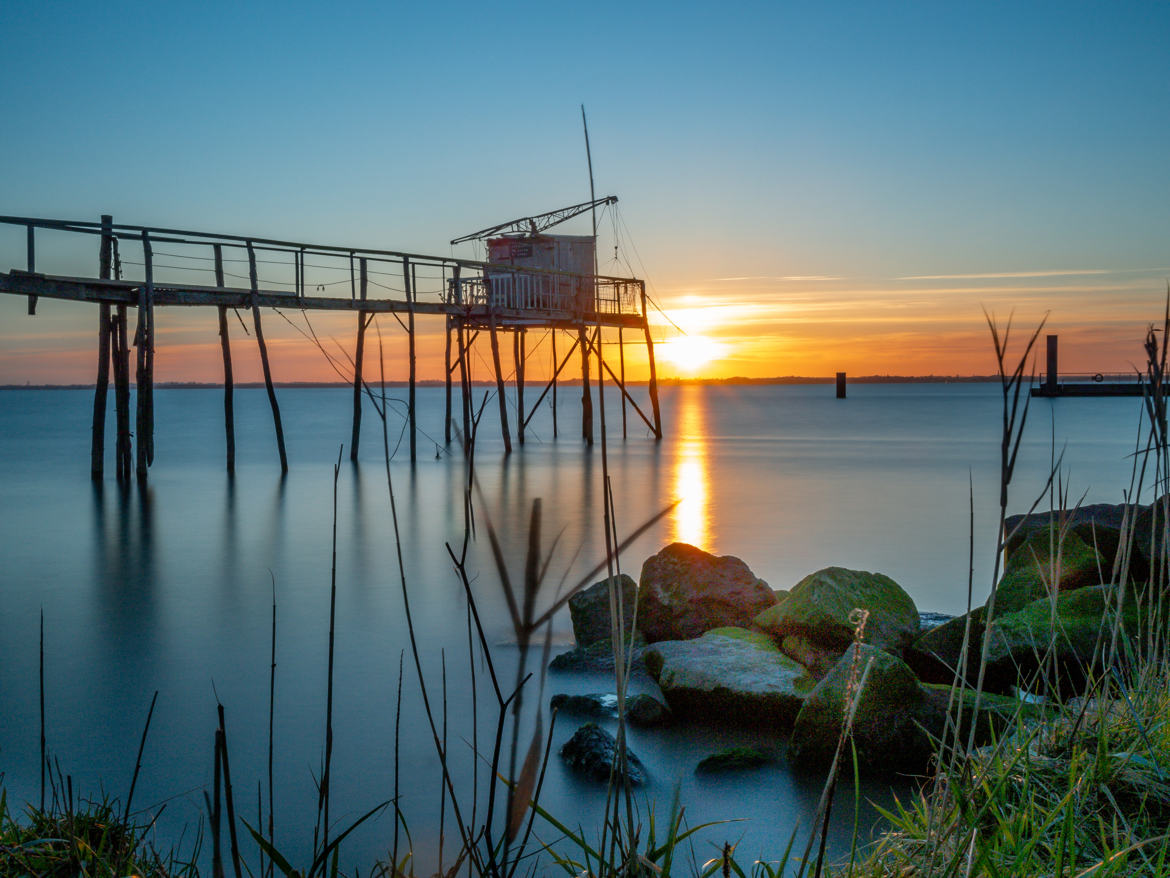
(840, 385)
(1050, 377)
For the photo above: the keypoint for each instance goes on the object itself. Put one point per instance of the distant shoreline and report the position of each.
(662, 382)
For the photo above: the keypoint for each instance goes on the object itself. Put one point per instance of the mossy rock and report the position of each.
(818, 659)
(1070, 625)
(820, 605)
(936, 653)
(729, 675)
(646, 710)
(591, 751)
(596, 657)
(887, 728)
(684, 591)
(734, 759)
(1097, 524)
(1032, 573)
(589, 610)
(996, 712)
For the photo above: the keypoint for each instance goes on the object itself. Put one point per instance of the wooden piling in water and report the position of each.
(840, 385)
(229, 417)
(518, 355)
(31, 260)
(408, 277)
(144, 376)
(622, 382)
(586, 398)
(447, 368)
(1052, 375)
(556, 372)
(122, 391)
(500, 383)
(653, 386)
(465, 384)
(358, 358)
(97, 450)
(264, 358)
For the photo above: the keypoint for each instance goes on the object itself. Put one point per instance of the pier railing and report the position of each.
(303, 271)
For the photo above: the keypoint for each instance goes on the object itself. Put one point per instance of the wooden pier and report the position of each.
(474, 299)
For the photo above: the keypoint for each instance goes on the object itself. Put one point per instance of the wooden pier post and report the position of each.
(586, 398)
(500, 382)
(144, 376)
(447, 368)
(556, 372)
(97, 452)
(264, 358)
(653, 386)
(518, 354)
(229, 417)
(358, 357)
(622, 381)
(122, 391)
(840, 385)
(465, 382)
(409, 279)
(1051, 386)
(31, 259)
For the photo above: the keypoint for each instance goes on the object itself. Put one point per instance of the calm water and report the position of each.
(170, 588)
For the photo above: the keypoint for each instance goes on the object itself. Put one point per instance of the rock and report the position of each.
(1028, 573)
(1017, 642)
(886, 727)
(1098, 525)
(592, 752)
(733, 759)
(996, 712)
(594, 704)
(684, 591)
(646, 710)
(595, 657)
(781, 594)
(819, 607)
(729, 674)
(589, 611)
(936, 653)
(818, 659)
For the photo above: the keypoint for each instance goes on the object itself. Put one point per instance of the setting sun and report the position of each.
(689, 353)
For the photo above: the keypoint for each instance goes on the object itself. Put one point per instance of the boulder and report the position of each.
(684, 591)
(818, 659)
(1030, 572)
(589, 610)
(596, 657)
(1098, 525)
(996, 712)
(935, 653)
(730, 675)
(820, 605)
(594, 704)
(646, 710)
(733, 759)
(1070, 624)
(591, 752)
(886, 728)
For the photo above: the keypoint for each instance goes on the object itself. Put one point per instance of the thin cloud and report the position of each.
(1054, 272)
(795, 277)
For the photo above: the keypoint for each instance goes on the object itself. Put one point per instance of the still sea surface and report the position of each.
(170, 587)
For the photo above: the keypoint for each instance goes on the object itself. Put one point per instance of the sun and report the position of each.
(690, 353)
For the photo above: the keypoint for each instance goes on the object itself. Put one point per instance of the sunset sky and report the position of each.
(806, 188)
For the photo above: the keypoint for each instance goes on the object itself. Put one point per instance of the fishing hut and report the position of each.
(531, 280)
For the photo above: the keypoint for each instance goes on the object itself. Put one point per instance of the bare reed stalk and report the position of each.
(323, 791)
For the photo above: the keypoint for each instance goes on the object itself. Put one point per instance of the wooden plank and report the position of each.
(586, 398)
(142, 376)
(264, 359)
(653, 373)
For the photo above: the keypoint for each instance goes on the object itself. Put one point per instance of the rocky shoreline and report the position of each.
(723, 647)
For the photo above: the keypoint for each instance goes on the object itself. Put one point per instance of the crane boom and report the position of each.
(533, 225)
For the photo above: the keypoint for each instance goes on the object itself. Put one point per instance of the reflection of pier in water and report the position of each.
(689, 524)
(474, 298)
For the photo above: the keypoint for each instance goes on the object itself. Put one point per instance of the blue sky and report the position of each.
(859, 143)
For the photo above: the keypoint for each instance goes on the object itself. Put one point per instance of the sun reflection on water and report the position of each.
(689, 523)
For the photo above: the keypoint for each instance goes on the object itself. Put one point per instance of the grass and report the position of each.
(1081, 788)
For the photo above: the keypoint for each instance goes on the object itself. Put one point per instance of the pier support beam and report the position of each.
(465, 384)
(120, 334)
(653, 386)
(229, 417)
(264, 359)
(409, 279)
(586, 397)
(518, 355)
(447, 368)
(500, 384)
(144, 376)
(556, 372)
(97, 450)
(1051, 378)
(622, 381)
(358, 357)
